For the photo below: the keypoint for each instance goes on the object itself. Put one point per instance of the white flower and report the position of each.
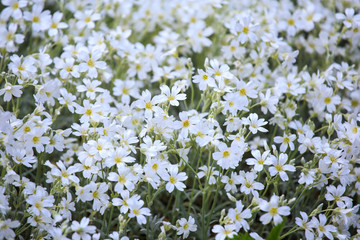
(279, 166)
(40, 202)
(307, 177)
(246, 30)
(198, 36)
(224, 232)
(90, 87)
(40, 19)
(122, 178)
(335, 194)
(322, 228)
(6, 226)
(188, 124)
(136, 210)
(13, 8)
(82, 230)
(56, 24)
(255, 123)
(97, 192)
(86, 18)
(67, 67)
(288, 58)
(67, 99)
(210, 173)
(204, 79)
(22, 67)
(305, 224)
(226, 157)
(286, 140)
(145, 102)
(274, 212)
(259, 160)
(123, 201)
(9, 38)
(349, 18)
(175, 179)
(66, 175)
(248, 183)
(231, 182)
(173, 96)
(328, 100)
(150, 148)
(90, 61)
(238, 215)
(10, 90)
(268, 102)
(219, 72)
(185, 226)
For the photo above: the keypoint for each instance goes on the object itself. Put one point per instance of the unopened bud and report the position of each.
(291, 201)
(206, 63)
(316, 210)
(330, 130)
(231, 197)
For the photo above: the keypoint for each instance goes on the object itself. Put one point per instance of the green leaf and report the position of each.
(242, 237)
(276, 231)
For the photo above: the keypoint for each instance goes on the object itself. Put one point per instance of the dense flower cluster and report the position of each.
(165, 119)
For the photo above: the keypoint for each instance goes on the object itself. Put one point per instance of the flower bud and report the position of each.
(316, 210)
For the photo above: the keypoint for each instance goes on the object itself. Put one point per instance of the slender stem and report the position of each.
(110, 218)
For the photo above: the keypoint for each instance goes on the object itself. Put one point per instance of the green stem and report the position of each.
(294, 229)
(110, 218)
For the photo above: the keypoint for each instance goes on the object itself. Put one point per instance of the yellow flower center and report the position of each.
(186, 123)
(321, 228)
(15, 6)
(136, 212)
(327, 100)
(291, 22)
(27, 129)
(122, 179)
(21, 68)
(54, 25)
(226, 154)
(88, 112)
(91, 63)
(273, 211)
(155, 167)
(38, 205)
(278, 168)
(172, 180)
(242, 92)
(354, 130)
(148, 105)
(36, 19)
(87, 19)
(245, 30)
(117, 159)
(69, 69)
(96, 194)
(36, 140)
(186, 226)
(64, 174)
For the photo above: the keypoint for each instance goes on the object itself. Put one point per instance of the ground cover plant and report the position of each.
(182, 119)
